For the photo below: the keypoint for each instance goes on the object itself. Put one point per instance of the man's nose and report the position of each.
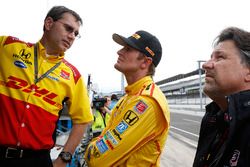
(208, 64)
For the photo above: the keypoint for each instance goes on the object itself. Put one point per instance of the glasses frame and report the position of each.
(70, 29)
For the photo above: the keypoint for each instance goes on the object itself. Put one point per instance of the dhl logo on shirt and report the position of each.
(17, 83)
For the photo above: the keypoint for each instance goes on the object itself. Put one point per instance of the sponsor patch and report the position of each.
(246, 104)
(38, 92)
(20, 64)
(140, 107)
(122, 127)
(65, 74)
(96, 153)
(111, 138)
(108, 142)
(117, 134)
(23, 54)
(130, 117)
(234, 160)
(136, 36)
(53, 78)
(102, 147)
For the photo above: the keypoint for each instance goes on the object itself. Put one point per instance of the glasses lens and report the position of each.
(70, 29)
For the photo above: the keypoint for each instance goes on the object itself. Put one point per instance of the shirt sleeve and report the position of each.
(2, 39)
(131, 126)
(79, 109)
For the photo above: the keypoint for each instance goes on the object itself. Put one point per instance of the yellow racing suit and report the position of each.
(137, 130)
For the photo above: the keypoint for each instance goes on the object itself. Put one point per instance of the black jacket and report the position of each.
(225, 136)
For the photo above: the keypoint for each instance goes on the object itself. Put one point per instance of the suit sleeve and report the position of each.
(130, 128)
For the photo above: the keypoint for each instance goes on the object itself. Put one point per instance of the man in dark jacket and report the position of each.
(225, 129)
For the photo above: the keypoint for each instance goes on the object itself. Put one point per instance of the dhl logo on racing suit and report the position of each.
(17, 83)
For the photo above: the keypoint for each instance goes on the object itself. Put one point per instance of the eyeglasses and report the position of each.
(70, 29)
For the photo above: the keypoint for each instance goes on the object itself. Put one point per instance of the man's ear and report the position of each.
(147, 62)
(247, 77)
(48, 22)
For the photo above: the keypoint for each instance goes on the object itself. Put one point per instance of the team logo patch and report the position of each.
(122, 127)
(234, 160)
(65, 74)
(101, 145)
(116, 134)
(141, 107)
(136, 36)
(24, 54)
(130, 117)
(111, 138)
(108, 142)
(20, 64)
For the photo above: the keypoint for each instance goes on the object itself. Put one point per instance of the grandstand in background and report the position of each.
(185, 89)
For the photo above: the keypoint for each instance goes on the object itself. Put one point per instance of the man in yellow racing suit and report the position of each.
(139, 124)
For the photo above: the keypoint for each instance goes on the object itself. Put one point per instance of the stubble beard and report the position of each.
(212, 91)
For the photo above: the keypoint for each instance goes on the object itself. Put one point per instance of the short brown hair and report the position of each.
(57, 12)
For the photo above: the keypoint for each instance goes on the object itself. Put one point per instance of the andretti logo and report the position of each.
(46, 95)
(22, 55)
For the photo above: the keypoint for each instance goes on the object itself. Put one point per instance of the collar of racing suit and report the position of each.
(138, 85)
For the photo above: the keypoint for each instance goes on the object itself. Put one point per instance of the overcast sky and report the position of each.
(186, 29)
